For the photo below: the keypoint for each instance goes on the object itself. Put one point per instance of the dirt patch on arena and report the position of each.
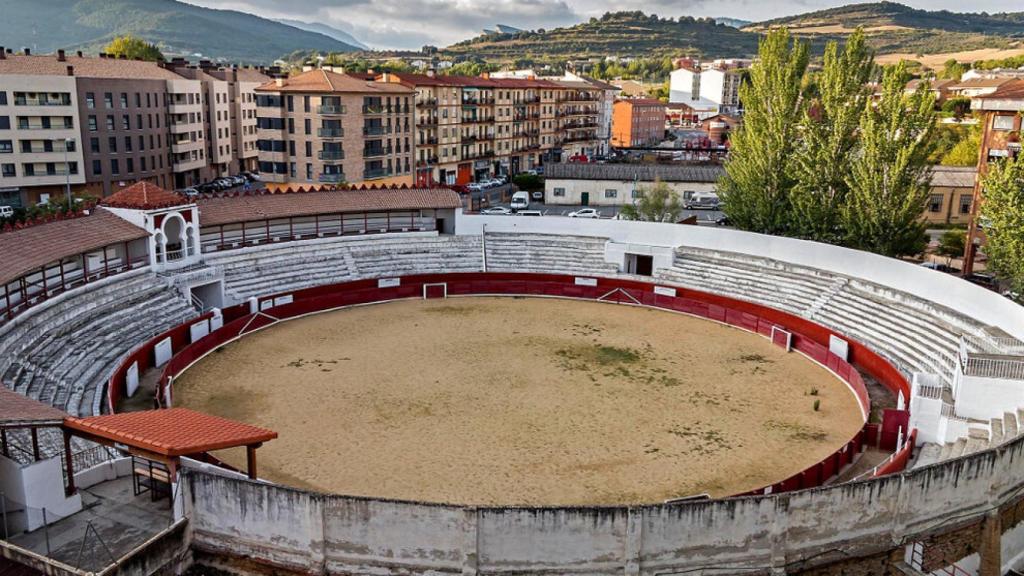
(523, 401)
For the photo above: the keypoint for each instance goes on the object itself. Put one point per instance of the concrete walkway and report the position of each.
(122, 522)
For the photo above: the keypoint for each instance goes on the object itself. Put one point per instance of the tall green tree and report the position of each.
(759, 176)
(1002, 213)
(889, 173)
(828, 137)
(134, 48)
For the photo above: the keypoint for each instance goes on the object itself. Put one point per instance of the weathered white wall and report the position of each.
(943, 289)
(339, 534)
(985, 398)
(574, 190)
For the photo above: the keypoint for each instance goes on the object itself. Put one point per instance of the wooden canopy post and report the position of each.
(250, 456)
(68, 463)
(35, 443)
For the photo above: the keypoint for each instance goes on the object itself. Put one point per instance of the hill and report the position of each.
(326, 30)
(179, 28)
(616, 34)
(896, 28)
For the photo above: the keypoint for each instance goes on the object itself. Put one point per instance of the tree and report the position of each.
(957, 107)
(829, 136)
(965, 151)
(952, 244)
(758, 178)
(952, 70)
(133, 48)
(659, 203)
(889, 174)
(1002, 213)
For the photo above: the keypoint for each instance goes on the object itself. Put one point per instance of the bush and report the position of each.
(528, 182)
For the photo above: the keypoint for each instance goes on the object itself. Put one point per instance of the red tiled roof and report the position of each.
(412, 79)
(254, 207)
(325, 81)
(641, 101)
(27, 249)
(144, 196)
(171, 432)
(1012, 90)
(84, 67)
(18, 410)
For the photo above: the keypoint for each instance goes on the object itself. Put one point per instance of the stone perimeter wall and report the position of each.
(953, 508)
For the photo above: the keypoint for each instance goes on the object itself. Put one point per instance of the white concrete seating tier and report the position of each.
(63, 353)
(276, 268)
(544, 253)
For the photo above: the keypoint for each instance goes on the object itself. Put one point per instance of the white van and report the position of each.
(6, 211)
(702, 201)
(520, 201)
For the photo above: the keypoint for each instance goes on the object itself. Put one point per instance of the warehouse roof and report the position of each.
(639, 172)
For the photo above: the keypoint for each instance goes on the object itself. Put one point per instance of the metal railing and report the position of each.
(330, 132)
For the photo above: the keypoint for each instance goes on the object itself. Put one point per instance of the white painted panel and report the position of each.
(665, 291)
(286, 299)
(217, 321)
(266, 305)
(389, 282)
(581, 281)
(132, 379)
(163, 351)
(839, 347)
(199, 329)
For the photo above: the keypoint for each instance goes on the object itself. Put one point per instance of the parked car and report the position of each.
(937, 267)
(238, 180)
(703, 201)
(190, 192)
(520, 201)
(585, 213)
(6, 211)
(723, 221)
(475, 187)
(537, 195)
(497, 210)
(529, 213)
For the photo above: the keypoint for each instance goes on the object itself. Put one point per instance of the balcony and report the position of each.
(331, 155)
(332, 178)
(330, 132)
(431, 141)
(33, 126)
(23, 101)
(427, 121)
(330, 110)
(376, 130)
(427, 103)
(376, 173)
(476, 120)
(427, 162)
(376, 152)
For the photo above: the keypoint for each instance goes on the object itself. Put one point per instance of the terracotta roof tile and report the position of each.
(253, 207)
(30, 248)
(1012, 90)
(172, 431)
(319, 80)
(18, 410)
(84, 67)
(144, 196)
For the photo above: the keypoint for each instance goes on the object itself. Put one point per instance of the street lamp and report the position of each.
(68, 142)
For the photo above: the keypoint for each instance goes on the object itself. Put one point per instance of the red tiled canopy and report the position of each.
(18, 410)
(144, 196)
(172, 431)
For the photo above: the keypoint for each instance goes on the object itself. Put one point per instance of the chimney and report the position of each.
(60, 56)
(431, 72)
(71, 70)
(385, 77)
(279, 82)
(78, 53)
(28, 52)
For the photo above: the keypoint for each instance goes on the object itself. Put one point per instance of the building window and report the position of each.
(94, 145)
(127, 143)
(965, 203)
(8, 170)
(5, 122)
(124, 100)
(129, 165)
(92, 124)
(110, 122)
(611, 193)
(935, 203)
(6, 147)
(108, 99)
(112, 144)
(97, 167)
(115, 168)
(90, 100)
(1002, 123)
(126, 122)
(559, 192)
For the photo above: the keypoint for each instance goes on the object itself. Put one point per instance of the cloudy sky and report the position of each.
(413, 23)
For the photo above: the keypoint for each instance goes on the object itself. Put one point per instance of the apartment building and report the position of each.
(119, 121)
(1001, 121)
(320, 126)
(707, 91)
(638, 122)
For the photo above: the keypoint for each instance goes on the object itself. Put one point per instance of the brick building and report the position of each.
(638, 122)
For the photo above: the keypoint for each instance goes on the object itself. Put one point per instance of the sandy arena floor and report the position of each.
(522, 401)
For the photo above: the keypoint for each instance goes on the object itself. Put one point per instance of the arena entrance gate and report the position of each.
(435, 290)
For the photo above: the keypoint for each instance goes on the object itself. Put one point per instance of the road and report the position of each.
(703, 216)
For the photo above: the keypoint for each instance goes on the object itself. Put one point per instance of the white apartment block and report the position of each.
(707, 91)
